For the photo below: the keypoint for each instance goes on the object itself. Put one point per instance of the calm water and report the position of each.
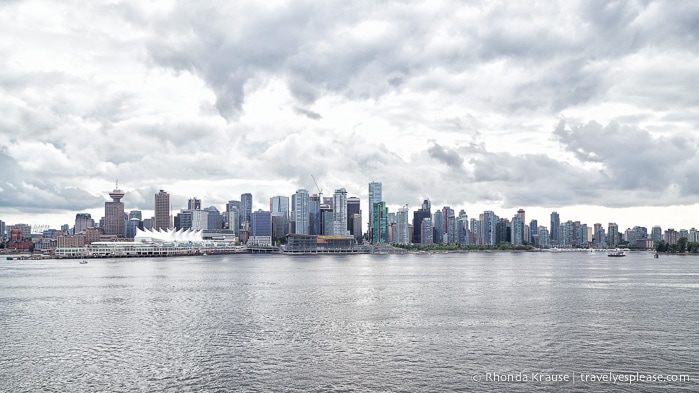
(349, 323)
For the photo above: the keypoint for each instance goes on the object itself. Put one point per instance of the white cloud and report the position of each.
(455, 101)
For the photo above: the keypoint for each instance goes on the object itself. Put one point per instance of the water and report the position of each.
(451, 322)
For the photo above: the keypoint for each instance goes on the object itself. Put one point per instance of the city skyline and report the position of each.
(587, 109)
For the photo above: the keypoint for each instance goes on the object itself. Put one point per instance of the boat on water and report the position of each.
(656, 255)
(616, 253)
(83, 262)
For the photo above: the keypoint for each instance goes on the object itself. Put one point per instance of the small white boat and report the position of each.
(616, 253)
(83, 262)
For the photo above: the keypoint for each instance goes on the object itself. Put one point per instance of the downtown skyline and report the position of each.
(584, 108)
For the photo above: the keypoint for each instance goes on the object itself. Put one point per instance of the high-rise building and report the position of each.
(261, 223)
(613, 235)
(301, 212)
(279, 206)
(426, 229)
(353, 207)
(555, 222)
(114, 223)
(375, 195)
(82, 222)
(340, 212)
(315, 221)
(246, 205)
(418, 216)
(438, 227)
(214, 219)
(136, 214)
(2, 230)
(162, 211)
(462, 228)
(488, 227)
(656, 234)
(194, 204)
(517, 230)
(402, 230)
(379, 223)
(533, 233)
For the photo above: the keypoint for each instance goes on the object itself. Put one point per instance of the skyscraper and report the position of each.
(375, 195)
(301, 215)
(555, 222)
(353, 207)
(114, 223)
(162, 210)
(379, 223)
(83, 221)
(402, 231)
(340, 212)
(418, 216)
(246, 207)
(194, 204)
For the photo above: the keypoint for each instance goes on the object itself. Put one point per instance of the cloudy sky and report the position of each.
(590, 108)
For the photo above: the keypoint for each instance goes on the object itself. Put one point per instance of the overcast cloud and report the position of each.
(494, 104)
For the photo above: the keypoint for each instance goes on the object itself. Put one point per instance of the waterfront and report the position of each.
(439, 322)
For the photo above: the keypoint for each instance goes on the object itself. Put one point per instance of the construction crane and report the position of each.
(320, 192)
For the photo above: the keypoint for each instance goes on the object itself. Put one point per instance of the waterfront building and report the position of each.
(214, 219)
(613, 235)
(517, 230)
(671, 236)
(379, 223)
(544, 237)
(437, 227)
(261, 228)
(2, 230)
(315, 219)
(279, 209)
(693, 235)
(402, 226)
(418, 216)
(555, 222)
(131, 226)
(533, 233)
(194, 204)
(301, 212)
(503, 231)
(340, 212)
(162, 211)
(488, 222)
(426, 232)
(246, 207)
(462, 227)
(656, 234)
(684, 233)
(353, 207)
(114, 223)
(136, 214)
(474, 232)
(375, 196)
(356, 221)
(82, 222)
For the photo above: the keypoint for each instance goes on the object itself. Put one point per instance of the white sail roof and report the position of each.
(169, 235)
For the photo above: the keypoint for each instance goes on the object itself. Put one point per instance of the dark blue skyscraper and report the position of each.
(246, 207)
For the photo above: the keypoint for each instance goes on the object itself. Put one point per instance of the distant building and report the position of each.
(114, 223)
(261, 228)
(162, 211)
(418, 216)
(555, 222)
(136, 214)
(246, 207)
(301, 213)
(375, 195)
(194, 204)
(353, 207)
(656, 234)
(402, 226)
(82, 222)
(379, 223)
(613, 235)
(340, 212)
(671, 236)
(426, 232)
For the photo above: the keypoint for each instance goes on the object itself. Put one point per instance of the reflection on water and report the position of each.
(334, 323)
